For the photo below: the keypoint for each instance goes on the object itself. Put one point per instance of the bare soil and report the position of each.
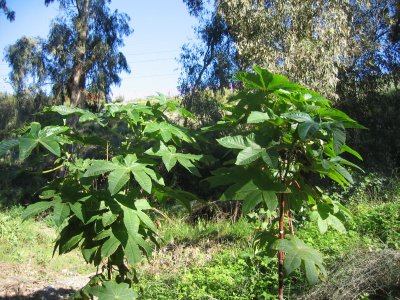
(33, 282)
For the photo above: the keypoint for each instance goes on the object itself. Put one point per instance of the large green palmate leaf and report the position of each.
(265, 80)
(26, 145)
(353, 152)
(238, 142)
(170, 158)
(133, 210)
(61, 212)
(131, 249)
(233, 142)
(297, 116)
(142, 177)
(51, 144)
(117, 179)
(255, 81)
(307, 129)
(298, 253)
(325, 217)
(64, 110)
(339, 116)
(113, 291)
(258, 117)
(252, 194)
(128, 235)
(84, 115)
(167, 131)
(144, 218)
(99, 167)
(52, 130)
(248, 155)
(48, 137)
(120, 173)
(250, 150)
(108, 218)
(70, 236)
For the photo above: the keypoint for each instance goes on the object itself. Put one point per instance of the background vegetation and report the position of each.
(210, 252)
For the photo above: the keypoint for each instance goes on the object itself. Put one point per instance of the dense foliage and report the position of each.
(343, 49)
(284, 132)
(103, 186)
(103, 174)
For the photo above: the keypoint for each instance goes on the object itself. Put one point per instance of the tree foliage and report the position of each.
(8, 12)
(209, 63)
(103, 202)
(80, 53)
(316, 43)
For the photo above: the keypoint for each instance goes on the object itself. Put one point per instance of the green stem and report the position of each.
(52, 170)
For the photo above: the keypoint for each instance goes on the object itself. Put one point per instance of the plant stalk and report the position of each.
(281, 236)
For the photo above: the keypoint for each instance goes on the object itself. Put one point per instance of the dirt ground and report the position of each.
(27, 282)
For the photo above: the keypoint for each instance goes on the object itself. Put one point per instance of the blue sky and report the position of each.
(161, 27)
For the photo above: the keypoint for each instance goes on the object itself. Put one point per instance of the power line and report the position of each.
(148, 76)
(151, 52)
(151, 60)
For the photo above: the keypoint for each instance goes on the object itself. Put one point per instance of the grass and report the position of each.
(203, 259)
(220, 230)
(30, 243)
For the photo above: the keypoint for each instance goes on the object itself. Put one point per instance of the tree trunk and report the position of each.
(78, 77)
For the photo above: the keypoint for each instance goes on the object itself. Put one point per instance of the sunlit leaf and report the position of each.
(233, 142)
(110, 246)
(117, 179)
(248, 155)
(113, 291)
(257, 117)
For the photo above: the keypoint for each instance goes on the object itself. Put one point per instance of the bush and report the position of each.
(370, 188)
(227, 276)
(378, 111)
(382, 222)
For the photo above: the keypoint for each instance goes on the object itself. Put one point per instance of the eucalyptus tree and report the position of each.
(317, 43)
(209, 63)
(80, 53)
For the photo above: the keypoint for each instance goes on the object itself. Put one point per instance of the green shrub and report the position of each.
(227, 276)
(370, 188)
(380, 221)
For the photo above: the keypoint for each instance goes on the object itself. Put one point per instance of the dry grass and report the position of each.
(364, 272)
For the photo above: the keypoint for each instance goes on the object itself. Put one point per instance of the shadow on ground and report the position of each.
(48, 293)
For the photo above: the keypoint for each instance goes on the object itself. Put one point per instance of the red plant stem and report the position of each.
(281, 236)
